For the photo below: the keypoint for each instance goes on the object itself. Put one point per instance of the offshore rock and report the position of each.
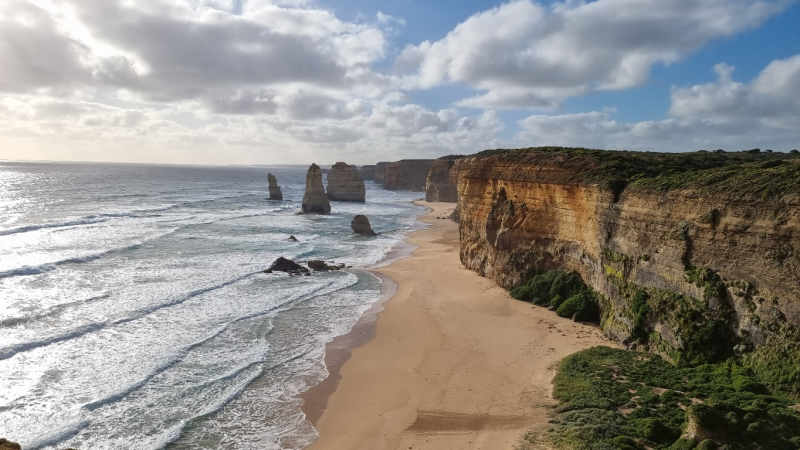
(292, 239)
(286, 265)
(407, 174)
(345, 184)
(442, 182)
(318, 265)
(360, 225)
(367, 172)
(274, 190)
(380, 173)
(315, 201)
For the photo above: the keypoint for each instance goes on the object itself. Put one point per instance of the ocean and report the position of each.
(135, 314)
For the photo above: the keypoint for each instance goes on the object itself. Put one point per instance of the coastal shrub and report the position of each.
(565, 292)
(581, 307)
(611, 397)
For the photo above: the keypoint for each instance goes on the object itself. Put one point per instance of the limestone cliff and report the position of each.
(344, 184)
(380, 173)
(367, 172)
(442, 182)
(693, 255)
(315, 201)
(274, 190)
(407, 174)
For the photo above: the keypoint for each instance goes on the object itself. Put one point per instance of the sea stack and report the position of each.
(360, 225)
(345, 184)
(274, 190)
(315, 201)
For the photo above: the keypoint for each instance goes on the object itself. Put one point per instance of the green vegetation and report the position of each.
(617, 399)
(8, 445)
(565, 292)
(734, 173)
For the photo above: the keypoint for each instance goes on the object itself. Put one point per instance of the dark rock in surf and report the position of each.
(286, 265)
(318, 265)
(292, 239)
(274, 190)
(360, 225)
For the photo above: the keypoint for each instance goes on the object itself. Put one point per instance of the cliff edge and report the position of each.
(695, 256)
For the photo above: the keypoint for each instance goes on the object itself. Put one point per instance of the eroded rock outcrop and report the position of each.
(441, 184)
(360, 225)
(8, 445)
(286, 265)
(700, 265)
(367, 172)
(315, 201)
(407, 174)
(274, 190)
(344, 184)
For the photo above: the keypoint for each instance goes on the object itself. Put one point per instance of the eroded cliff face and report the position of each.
(407, 174)
(680, 272)
(442, 182)
(380, 173)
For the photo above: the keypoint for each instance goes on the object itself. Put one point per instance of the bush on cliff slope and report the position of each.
(563, 291)
(617, 399)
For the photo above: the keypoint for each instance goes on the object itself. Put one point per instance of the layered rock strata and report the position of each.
(360, 225)
(315, 201)
(441, 184)
(407, 174)
(693, 269)
(380, 173)
(344, 184)
(274, 190)
(367, 172)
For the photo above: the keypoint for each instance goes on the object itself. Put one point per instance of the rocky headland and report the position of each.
(345, 184)
(380, 173)
(407, 174)
(367, 172)
(274, 190)
(695, 256)
(441, 184)
(315, 201)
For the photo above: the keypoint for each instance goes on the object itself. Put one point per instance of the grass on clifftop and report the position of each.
(751, 172)
(624, 400)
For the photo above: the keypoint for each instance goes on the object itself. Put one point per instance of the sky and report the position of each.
(361, 81)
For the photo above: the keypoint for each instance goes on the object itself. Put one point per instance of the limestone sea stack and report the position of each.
(315, 201)
(379, 174)
(345, 184)
(360, 225)
(407, 174)
(274, 190)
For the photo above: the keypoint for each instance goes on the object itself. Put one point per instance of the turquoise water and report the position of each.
(134, 312)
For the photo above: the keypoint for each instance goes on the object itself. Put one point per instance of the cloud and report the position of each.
(525, 55)
(723, 114)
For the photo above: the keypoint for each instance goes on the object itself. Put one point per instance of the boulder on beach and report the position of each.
(345, 184)
(360, 225)
(286, 265)
(274, 190)
(315, 201)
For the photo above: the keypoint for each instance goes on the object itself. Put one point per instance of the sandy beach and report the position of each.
(451, 363)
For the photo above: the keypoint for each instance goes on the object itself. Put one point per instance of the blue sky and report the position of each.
(288, 81)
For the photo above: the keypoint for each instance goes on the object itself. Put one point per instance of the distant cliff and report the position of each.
(345, 184)
(441, 184)
(695, 256)
(380, 173)
(367, 172)
(407, 174)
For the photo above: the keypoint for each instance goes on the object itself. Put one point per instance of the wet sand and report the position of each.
(451, 363)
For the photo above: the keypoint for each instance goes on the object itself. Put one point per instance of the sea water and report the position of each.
(135, 314)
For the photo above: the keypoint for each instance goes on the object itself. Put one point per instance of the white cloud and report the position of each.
(726, 114)
(523, 54)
